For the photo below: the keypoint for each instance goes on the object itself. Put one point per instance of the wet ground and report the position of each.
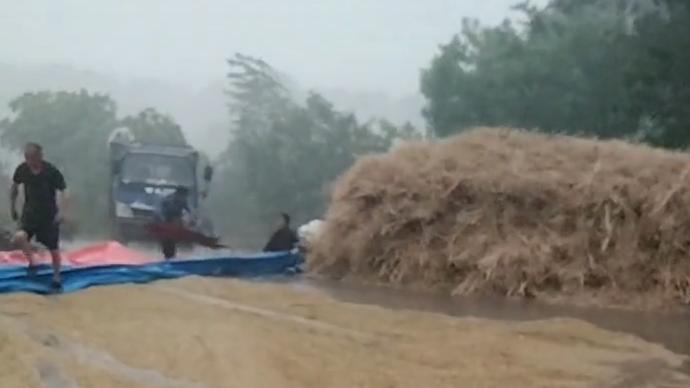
(201, 332)
(302, 332)
(670, 329)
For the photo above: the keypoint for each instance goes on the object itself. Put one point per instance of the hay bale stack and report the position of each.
(515, 213)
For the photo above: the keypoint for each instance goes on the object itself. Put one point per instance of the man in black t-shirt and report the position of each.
(42, 212)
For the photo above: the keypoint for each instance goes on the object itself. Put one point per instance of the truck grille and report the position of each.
(138, 213)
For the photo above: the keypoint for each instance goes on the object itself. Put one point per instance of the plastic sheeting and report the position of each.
(109, 252)
(111, 263)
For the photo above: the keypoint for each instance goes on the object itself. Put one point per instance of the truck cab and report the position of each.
(143, 174)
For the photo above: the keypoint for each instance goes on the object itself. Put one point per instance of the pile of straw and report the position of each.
(498, 211)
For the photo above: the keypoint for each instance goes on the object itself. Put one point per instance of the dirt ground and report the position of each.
(229, 333)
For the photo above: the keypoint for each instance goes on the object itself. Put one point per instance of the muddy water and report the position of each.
(669, 329)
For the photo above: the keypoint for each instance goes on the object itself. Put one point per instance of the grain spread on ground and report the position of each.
(223, 333)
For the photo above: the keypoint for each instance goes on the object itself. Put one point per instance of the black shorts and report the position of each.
(46, 233)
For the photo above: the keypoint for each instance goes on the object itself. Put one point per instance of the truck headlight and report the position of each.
(123, 210)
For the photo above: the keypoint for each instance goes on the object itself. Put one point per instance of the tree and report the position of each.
(283, 154)
(150, 126)
(605, 68)
(256, 99)
(257, 94)
(658, 72)
(4, 182)
(73, 127)
(561, 72)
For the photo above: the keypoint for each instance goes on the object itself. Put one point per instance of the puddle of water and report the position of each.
(647, 374)
(670, 330)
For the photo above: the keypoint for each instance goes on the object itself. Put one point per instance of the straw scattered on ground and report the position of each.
(222, 333)
(498, 211)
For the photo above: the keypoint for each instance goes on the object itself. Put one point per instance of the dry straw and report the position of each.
(518, 214)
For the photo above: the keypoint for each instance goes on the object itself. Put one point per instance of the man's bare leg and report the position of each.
(21, 240)
(57, 263)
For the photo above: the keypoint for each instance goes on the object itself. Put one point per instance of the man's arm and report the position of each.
(14, 192)
(62, 202)
(62, 195)
(17, 179)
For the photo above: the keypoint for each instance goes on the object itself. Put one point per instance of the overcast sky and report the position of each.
(371, 45)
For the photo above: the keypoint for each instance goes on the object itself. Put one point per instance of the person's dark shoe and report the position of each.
(56, 286)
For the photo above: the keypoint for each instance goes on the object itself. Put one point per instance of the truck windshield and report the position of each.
(157, 170)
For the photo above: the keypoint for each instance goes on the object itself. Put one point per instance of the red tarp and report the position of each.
(105, 253)
(176, 232)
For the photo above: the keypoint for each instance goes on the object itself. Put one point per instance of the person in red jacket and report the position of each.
(171, 212)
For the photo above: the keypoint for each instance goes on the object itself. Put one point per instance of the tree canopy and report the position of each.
(604, 68)
(73, 128)
(595, 67)
(284, 153)
(150, 126)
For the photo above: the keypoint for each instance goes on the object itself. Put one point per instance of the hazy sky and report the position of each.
(353, 44)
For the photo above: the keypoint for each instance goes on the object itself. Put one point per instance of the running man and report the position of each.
(44, 202)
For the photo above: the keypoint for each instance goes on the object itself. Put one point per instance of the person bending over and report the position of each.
(172, 210)
(44, 203)
(284, 238)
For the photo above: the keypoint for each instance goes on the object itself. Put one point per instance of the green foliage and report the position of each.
(58, 119)
(659, 73)
(73, 128)
(595, 67)
(284, 155)
(4, 197)
(150, 126)
(257, 95)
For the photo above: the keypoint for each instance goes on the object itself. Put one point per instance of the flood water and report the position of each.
(669, 329)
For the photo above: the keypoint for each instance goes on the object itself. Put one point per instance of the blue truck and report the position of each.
(141, 175)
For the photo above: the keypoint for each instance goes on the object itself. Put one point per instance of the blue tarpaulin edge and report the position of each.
(16, 279)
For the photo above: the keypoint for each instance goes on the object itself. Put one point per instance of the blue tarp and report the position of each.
(15, 278)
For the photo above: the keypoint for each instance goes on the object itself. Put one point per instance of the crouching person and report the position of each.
(171, 212)
(284, 238)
